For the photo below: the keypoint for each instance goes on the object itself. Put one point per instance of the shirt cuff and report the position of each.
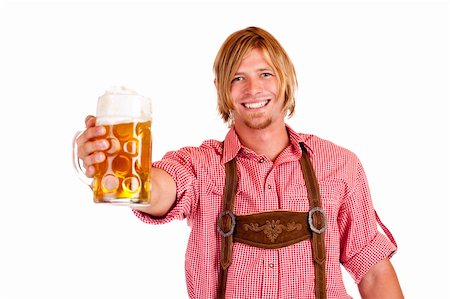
(378, 249)
(175, 213)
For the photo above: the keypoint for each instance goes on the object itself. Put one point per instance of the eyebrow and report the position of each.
(264, 69)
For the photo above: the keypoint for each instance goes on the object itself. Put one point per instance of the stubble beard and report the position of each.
(254, 123)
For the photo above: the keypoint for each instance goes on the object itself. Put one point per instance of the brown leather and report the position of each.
(318, 240)
(226, 251)
(273, 229)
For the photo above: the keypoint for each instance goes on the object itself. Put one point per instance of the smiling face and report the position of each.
(255, 94)
(230, 58)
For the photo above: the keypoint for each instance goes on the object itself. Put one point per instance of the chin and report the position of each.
(258, 125)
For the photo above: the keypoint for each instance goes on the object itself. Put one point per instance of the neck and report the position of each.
(269, 142)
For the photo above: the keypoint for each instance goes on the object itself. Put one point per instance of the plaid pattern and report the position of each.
(351, 238)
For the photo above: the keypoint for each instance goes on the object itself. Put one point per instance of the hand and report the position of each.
(90, 145)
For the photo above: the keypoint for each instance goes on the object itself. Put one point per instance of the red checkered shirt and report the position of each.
(352, 238)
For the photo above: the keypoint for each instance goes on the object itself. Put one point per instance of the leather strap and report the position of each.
(318, 239)
(225, 223)
(316, 219)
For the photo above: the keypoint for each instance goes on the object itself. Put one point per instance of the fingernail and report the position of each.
(103, 144)
(101, 130)
(99, 157)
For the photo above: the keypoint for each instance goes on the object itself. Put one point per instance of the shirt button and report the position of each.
(269, 187)
(271, 265)
(261, 160)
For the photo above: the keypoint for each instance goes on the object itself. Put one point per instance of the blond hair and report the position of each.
(230, 55)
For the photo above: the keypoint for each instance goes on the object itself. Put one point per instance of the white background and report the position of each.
(373, 76)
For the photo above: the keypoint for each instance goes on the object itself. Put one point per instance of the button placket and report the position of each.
(270, 192)
(270, 281)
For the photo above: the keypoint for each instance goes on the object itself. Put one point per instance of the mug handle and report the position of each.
(76, 162)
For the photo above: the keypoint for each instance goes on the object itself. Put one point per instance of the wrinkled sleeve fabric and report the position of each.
(362, 245)
(180, 166)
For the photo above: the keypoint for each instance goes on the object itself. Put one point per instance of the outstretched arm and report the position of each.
(163, 192)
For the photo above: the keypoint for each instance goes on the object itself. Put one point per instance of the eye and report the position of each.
(237, 79)
(266, 75)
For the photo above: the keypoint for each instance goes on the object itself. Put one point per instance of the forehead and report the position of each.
(255, 58)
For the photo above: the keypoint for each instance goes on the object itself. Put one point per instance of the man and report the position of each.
(273, 212)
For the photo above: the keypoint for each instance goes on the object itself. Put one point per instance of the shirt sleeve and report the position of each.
(179, 165)
(362, 245)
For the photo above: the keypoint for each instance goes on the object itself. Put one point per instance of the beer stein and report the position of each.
(123, 178)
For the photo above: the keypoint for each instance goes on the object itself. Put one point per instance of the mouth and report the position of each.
(256, 105)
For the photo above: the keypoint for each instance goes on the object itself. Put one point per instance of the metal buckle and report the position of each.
(233, 223)
(310, 220)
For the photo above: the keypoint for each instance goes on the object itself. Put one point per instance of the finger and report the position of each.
(90, 147)
(90, 121)
(89, 134)
(90, 171)
(89, 161)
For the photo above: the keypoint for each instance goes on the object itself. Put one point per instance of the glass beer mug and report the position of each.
(123, 178)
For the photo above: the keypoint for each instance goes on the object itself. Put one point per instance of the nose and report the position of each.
(253, 86)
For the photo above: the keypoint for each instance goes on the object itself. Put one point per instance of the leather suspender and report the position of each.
(316, 218)
(318, 238)
(226, 250)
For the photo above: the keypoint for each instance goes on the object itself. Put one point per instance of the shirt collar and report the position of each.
(232, 145)
(295, 138)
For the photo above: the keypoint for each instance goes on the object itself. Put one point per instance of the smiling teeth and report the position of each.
(256, 105)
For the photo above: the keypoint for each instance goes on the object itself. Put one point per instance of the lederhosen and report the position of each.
(273, 229)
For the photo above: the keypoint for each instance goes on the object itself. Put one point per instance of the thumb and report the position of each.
(89, 121)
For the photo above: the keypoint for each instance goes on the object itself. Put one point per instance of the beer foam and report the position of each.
(120, 104)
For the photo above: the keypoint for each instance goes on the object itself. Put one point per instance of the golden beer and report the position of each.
(124, 177)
